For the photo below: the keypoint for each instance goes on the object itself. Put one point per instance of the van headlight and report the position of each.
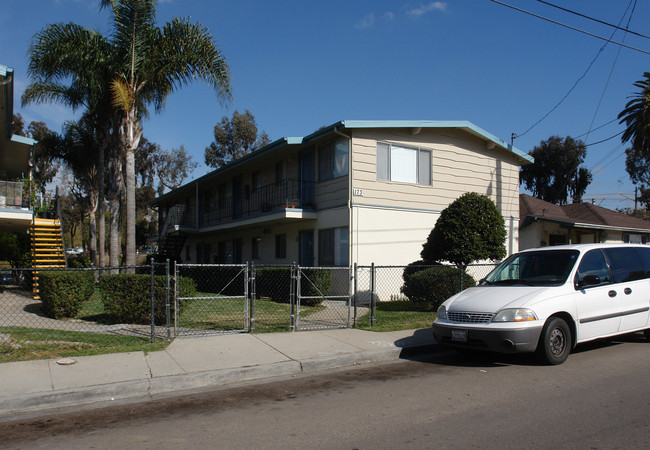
(514, 315)
(442, 312)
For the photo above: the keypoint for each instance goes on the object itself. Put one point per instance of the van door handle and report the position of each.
(612, 294)
(627, 291)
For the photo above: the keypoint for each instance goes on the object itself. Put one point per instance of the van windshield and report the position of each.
(538, 268)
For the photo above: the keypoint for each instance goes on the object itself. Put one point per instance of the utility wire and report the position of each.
(618, 27)
(571, 28)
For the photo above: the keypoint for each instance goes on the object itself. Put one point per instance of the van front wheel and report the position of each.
(555, 342)
(647, 333)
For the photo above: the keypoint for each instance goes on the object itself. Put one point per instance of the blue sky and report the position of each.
(300, 65)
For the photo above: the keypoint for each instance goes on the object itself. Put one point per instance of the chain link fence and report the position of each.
(413, 288)
(93, 307)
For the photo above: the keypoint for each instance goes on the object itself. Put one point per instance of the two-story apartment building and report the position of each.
(15, 154)
(352, 192)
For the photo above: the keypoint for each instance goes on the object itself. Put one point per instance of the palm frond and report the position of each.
(122, 94)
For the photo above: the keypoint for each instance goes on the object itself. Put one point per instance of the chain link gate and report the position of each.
(326, 290)
(211, 298)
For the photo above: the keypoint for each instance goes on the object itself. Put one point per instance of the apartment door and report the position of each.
(306, 241)
(237, 196)
(307, 179)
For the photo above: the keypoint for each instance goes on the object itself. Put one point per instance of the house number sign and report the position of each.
(357, 192)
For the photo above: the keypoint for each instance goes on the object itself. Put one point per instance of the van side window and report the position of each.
(644, 253)
(625, 263)
(593, 264)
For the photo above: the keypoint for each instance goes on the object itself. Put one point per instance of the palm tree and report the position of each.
(73, 66)
(152, 62)
(636, 117)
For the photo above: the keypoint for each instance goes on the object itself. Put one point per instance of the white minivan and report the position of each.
(550, 299)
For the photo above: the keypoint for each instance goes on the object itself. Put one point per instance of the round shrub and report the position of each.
(127, 297)
(430, 287)
(275, 283)
(63, 292)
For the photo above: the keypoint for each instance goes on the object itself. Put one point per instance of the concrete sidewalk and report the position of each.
(193, 363)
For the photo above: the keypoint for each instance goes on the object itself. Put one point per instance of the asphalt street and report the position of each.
(599, 398)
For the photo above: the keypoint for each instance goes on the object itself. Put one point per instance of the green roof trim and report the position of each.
(357, 124)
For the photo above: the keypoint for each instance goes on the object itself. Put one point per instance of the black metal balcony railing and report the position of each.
(263, 200)
(11, 195)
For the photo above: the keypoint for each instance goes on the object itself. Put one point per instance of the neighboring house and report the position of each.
(353, 192)
(15, 154)
(544, 223)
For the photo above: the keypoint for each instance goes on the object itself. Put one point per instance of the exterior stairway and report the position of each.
(47, 247)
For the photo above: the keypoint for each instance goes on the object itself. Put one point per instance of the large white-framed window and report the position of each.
(404, 164)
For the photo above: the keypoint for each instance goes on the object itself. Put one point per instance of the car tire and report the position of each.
(555, 342)
(646, 332)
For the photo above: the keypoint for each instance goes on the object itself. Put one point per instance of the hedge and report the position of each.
(63, 292)
(275, 283)
(432, 286)
(127, 297)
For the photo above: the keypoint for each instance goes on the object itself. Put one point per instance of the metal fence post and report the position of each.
(167, 303)
(354, 295)
(292, 298)
(372, 295)
(153, 317)
(175, 297)
(298, 294)
(253, 295)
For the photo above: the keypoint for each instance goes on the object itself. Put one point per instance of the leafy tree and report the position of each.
(636, 117)
(556, 173)
(44, 158)
(471, 228)
(151, 63)
(15, 248)
(234, 138)
(172, 168)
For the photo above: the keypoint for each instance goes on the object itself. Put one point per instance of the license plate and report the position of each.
(459, 335)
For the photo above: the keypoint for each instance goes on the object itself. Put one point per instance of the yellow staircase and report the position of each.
(47, 247)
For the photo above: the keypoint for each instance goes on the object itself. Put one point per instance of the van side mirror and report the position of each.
(587, 281)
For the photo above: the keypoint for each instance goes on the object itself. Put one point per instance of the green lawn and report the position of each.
(397, 315)
(218, 313)
(39, 343)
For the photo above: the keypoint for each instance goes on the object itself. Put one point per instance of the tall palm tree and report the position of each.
(636, 117)
(152, 63)
(78, 152)
(73, 66)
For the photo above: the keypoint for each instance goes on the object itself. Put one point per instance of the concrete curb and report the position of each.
(41, 402)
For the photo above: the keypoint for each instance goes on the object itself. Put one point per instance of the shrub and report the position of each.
(63, 292)
(275, 283)
(430, 287)
(470, 229)
(79, 261)
(127, 297)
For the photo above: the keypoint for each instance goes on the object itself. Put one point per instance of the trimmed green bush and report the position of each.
(63, 292)
(430, 287)
(127, 297)
(275, 283)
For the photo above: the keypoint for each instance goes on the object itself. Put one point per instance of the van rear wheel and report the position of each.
(646, 332)
(555, 342)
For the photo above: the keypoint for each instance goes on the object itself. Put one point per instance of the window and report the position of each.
(255, 247)
(333, 245)
(280, 246)
(626, 264)
(333, 160)
(593, 264)
(403, 164)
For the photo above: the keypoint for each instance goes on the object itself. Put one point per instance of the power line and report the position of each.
(571, 28)
(627, 30)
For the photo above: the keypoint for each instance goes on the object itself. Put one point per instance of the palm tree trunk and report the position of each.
(92, 226)
(130, 207)
(114, 230)
(101, 209)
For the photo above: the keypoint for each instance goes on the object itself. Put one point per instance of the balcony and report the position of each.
(288, 199)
